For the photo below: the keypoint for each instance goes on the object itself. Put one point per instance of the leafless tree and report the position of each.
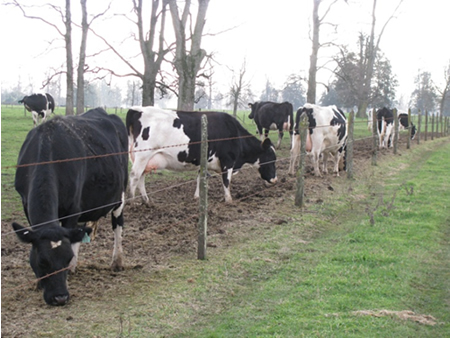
(372, 49)
(317, 23)
(147, 41)
(66, 18)
(187, 63)
(238, 88)
(444, 93)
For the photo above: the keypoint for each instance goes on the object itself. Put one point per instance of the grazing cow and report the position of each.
(326, 133)
(272, 116)
(60, 192)
(385, 123)
(40, 105)
(171, 140)
(403, 124)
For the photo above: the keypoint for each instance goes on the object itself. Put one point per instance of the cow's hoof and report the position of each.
(117, 267)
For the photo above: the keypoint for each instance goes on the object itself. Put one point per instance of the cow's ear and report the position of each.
(25, 235)
(266, 144)
(77, 234)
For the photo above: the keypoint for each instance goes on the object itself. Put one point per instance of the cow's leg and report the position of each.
(280, 136)
(35, 118)
(197, 189)
(316, 160)
(295, 154)
(325, 162)
(117, 225)
(226, 181)
(73, 263)
(137, 179)
(337, 157)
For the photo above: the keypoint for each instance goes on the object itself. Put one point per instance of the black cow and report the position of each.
(385, 126)
(60, 192)
(40, 105)
(171, 141)
(403, 121)
(274, 116)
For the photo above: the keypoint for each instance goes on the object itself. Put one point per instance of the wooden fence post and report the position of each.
(396, 131)
(349, 150)
(426, 124)
(299, 195)
(408, 142)
(419, 113)
(375, 137)
(432, 126)
(203, 207)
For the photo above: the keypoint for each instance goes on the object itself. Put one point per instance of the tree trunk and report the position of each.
(311, 93)
(82, 59)
(69, 60)
(152, 60)
(187, 64)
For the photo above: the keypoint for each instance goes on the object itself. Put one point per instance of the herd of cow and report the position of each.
(73, 170)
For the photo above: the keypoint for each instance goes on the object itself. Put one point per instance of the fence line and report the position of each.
(167, 188)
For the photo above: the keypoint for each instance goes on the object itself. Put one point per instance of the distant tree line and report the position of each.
(180, 69)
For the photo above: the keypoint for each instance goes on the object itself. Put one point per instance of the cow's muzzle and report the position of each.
(59, 300)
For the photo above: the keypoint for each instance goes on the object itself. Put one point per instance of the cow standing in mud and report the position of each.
(71, 169)
(162, 139)
(326, 134)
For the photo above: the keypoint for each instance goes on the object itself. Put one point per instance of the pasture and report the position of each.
(379, 242)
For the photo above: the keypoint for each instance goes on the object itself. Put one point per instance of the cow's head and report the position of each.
(252, 112)
(51, 251)
(413, 131)
(267, 161)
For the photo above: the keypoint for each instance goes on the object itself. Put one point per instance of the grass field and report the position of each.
(372, 260)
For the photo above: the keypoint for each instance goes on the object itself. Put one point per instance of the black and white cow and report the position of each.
(60, 193)
(385, 126)
(403, 124)
(40, 105)
(327, 133)
(272, 116)
(161, 139)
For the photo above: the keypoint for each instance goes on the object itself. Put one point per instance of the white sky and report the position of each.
(273, 37)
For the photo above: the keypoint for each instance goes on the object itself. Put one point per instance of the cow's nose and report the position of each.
(274, 180)
(60, 300)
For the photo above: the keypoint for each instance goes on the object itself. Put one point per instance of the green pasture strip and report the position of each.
(310, 276)
(401, 262)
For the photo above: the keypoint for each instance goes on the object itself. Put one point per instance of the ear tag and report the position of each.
(86, 238)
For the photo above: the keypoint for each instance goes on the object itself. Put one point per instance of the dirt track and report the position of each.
(155, 233)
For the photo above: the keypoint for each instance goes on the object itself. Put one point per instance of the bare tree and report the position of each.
(187, 63)
(66, 17)
(85, 24)
(147, 41)
(317, 23)
(238, 88)
(372, 49)
(445, 91)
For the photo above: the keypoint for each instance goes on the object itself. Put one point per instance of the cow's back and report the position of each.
(62, 165)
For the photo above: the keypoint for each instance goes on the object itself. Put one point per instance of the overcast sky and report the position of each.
(273, 37)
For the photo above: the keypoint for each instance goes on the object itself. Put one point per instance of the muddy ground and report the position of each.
(153, 234)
